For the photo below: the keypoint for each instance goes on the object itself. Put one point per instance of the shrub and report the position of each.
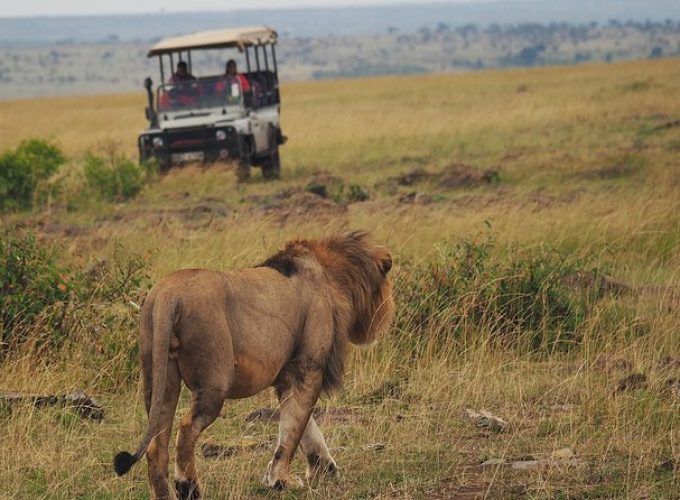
(524, 298)
(114, 178)
(31, 283)
(44, 303)
(22, 169)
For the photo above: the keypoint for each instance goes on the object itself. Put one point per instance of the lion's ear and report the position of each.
(386, 264)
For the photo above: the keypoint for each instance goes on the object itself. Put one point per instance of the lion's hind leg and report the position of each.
(319, 459)
(208, 372)
(205, 408)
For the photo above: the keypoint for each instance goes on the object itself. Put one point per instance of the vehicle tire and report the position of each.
(271, 166)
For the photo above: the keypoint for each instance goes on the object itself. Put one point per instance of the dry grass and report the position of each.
(581, 168)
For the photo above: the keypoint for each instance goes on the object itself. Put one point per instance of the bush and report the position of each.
(44, 303)
(22, 170)
(114, 178)
(525, 298)
(32, 283)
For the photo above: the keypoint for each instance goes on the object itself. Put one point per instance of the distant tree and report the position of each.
(656, 52)
(443, 28)
(529, 55)
(494, 29)
(425, 34)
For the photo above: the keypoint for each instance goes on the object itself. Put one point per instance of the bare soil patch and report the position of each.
(615, 171)
(454, 176)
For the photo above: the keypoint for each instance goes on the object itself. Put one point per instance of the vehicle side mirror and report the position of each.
(150, 112)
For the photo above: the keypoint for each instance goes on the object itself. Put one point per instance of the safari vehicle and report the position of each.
(211, 118)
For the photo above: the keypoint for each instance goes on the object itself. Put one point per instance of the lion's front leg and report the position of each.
(297, 396)
(319, 459)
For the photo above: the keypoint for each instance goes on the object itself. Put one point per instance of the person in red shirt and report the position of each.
(231, 76)
(232, 73)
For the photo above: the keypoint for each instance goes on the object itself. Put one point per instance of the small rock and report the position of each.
(527, 464)
(486, 420)
(79, 402)
(494, 461)
(563, 457)
(84, 406)
(373, 447)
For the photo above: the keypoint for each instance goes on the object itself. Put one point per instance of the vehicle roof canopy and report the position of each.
(227, 38)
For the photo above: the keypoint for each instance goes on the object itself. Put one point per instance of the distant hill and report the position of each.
(41, 31)
(78, 55)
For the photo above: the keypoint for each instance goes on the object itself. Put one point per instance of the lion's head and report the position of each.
(358, 268)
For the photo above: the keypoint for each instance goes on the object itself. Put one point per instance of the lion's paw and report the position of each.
(187, 490)
(317, 466)
(275, 481)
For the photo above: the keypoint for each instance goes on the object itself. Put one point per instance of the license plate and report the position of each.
(185, 157)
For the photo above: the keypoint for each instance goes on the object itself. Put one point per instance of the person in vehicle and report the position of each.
(232, 73)
(183, 93)
(231, 77)
(182, 74)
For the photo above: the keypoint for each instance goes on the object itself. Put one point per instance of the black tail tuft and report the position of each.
(123, 462)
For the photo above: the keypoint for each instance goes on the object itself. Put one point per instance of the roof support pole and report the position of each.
(266, 59)
(276, 66)
(160, 61)
(257, 58)
(248, 59)
(267, 80)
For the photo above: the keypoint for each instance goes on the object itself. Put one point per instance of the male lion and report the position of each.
(284, 324)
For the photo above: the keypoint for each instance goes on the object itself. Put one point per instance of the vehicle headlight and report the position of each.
(220, 135)
(158, 142)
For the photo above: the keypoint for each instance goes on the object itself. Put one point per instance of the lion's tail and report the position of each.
(164, 313)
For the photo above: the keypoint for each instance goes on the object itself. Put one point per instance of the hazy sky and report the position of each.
(11, 8)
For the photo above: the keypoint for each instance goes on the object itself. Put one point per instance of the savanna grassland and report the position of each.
(534, 220)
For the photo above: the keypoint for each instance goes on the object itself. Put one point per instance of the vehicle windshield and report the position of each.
(210, 92)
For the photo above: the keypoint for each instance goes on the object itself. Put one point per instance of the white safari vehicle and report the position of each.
(220, 116)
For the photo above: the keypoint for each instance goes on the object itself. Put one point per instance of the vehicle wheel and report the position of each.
(271, 168)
